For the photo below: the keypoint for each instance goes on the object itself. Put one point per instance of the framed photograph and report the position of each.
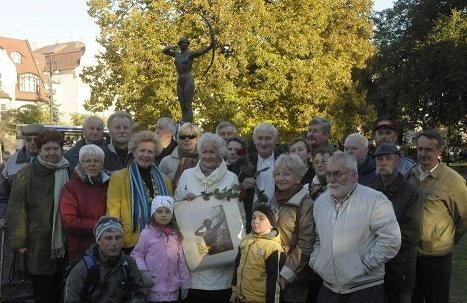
(212, 230)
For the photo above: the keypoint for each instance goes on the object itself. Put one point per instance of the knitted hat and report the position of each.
(162, 201)
(106, 222)
(269, 211)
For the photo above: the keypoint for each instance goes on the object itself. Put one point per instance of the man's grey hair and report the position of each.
(120, 114)
(210, 138)
(350, 162)
(86, 121)
(169, 123)
(360, 137)
(265, 127)
(325, 124)
(223, 125)
(91, 149)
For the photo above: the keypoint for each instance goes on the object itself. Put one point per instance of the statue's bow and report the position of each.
(213, 42)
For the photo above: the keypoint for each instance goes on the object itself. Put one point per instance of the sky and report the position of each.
(47, 22)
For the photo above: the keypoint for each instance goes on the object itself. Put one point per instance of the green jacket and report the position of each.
(444, 194)
(29, 215)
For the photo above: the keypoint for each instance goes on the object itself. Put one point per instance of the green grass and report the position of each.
(459, 273)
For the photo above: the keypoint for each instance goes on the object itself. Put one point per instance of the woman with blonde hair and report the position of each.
(132, 189)
(296, 227)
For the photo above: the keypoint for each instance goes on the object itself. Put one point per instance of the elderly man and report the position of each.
(357, 145)
(444, 195)
(319, 130)
(399, 281)
(117, 156)
(105, 274)
(165, 129)
(385, 132)
(226, 130)
(256, 177)
(11, 167)
(357, 232)
(93, 131)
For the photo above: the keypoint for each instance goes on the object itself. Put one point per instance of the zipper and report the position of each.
(243, 268)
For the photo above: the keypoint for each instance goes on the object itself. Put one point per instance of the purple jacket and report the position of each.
(163, 257)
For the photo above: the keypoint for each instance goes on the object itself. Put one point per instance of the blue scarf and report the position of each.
(141, 201)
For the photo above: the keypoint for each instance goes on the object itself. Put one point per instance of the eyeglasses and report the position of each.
(30, 139)
(184, 137)
(336, 174)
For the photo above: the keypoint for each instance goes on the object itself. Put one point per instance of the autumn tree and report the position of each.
(278, 61)
(418, 75)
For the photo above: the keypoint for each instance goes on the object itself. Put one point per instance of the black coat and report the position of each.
(408, 207)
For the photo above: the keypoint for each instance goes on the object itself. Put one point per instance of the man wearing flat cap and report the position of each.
(14, 164)
(105, 274)
(385, 132)
(399, 281)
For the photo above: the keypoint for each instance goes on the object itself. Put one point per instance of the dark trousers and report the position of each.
(208, 296)
(374, 294)
(47, 289)
(398, 297)
(433, 279)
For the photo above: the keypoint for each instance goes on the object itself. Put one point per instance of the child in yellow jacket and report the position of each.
(259, 260)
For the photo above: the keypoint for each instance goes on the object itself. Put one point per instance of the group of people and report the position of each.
(322, 225)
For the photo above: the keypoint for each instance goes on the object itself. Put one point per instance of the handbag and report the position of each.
(18, 287)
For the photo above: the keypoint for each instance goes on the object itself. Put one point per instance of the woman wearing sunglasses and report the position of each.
(184, 156)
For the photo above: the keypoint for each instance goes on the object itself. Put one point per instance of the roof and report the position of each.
(66, 56)
(28, 64)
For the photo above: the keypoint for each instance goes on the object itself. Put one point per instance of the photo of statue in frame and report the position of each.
(212, 230)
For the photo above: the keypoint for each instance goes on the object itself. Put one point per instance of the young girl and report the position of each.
(159, 254)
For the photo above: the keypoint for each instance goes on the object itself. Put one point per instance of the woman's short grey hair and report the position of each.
(189, 129)
(213, 139)
(144, 136)
(224, 124)
(350, 162)
(169, 123)
(292, 162)
(265, 127)
(91, 150)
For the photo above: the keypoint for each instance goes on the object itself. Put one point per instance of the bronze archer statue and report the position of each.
(184, 65)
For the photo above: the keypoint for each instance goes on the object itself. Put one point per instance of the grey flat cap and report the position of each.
(386, 149)
(32, 129)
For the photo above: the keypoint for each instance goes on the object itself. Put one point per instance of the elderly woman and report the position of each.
(132, 189)
(84, 200)
(320, 160)
(35, 227)
(209, 285)
(302, 148)
(184, 156)
(296, 226)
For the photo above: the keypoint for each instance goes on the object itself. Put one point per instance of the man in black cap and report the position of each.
(385, 132)
(14, 164)
(399, 281)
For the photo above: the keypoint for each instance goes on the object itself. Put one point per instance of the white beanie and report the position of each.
(162, 201)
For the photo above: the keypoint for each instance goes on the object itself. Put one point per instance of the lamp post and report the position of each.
(51, 67)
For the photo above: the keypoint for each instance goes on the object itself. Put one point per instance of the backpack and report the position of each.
(93, 279)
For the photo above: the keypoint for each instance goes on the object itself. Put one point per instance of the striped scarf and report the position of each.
(141, 201)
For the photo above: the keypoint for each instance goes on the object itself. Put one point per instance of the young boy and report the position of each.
(259, 260)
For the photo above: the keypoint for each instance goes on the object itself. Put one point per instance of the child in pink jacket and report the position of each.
(159, 254)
